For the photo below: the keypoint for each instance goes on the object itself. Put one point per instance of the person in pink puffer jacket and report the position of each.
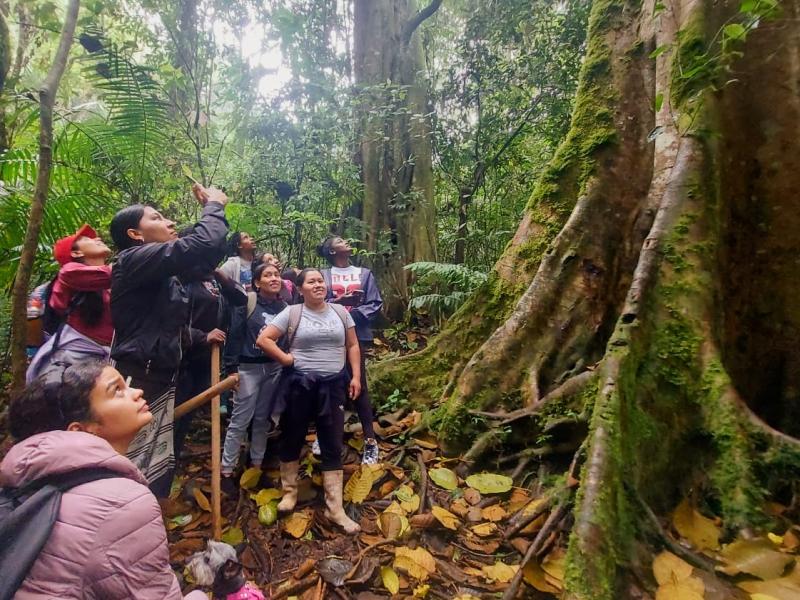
(109, 540)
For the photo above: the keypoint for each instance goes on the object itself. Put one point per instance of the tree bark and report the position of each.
(396, 165)
(47, 95)
(654, 267)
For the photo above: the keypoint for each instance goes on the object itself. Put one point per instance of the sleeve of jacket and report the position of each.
(236, 336)
(131, 558)
(372, 303)
(155, 261)
(85, 278)
(197, 338)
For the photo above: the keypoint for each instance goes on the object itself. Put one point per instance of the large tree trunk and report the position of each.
(398, 207)
(47, 96)
(650, 288)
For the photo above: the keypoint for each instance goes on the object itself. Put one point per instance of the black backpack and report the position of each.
(27, 516)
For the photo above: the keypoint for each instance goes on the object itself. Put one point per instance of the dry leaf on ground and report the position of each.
(417, 562)
(444, 478)
(500, 572)
(297, 524)
(701, 531)
(445, 517)
(390, 580)
(494, 513)
(490, 483)
(755, 557)
(201, 499)
(250, 477)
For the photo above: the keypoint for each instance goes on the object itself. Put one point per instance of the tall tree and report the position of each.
(47, 97)
(395, 149)
(647, 305)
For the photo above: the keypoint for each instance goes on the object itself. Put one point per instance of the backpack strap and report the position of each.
(27, 521)
(295, 314)
(67, 481)
(252, 298)
(342, 312)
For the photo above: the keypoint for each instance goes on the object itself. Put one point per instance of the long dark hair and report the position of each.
(57, 397)
(127, 218)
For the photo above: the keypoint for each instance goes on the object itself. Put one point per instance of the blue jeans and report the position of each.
(258, 383)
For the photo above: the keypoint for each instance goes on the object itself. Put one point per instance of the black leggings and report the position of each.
(303, 406)
(364, 402)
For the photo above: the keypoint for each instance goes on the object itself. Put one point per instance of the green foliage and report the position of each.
(440, 288)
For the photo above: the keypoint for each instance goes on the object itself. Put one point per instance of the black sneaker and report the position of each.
(229, 485)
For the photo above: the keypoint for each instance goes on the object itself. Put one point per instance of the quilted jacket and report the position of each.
(109, 540)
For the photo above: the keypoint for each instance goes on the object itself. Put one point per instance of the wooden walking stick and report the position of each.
(216, 492)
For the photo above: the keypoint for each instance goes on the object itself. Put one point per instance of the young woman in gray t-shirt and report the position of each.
(316, 387)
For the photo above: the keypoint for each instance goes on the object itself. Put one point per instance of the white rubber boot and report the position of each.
(289, 473)
(332, 482)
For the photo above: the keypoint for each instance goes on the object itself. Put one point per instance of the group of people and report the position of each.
(134, 339)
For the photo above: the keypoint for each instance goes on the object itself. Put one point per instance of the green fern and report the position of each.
(440, 288)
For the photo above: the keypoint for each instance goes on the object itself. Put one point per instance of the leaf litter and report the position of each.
(444, 539)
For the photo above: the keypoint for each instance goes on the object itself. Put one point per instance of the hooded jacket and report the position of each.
(369, 308)
(109, 540)
(149, 306)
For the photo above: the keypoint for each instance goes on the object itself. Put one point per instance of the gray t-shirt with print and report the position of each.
(319, 341)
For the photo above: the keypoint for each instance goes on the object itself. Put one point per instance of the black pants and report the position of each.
(194, 377)
(304, 405)
(364, 402)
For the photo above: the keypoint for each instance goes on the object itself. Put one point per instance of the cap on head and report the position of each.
(62, 250)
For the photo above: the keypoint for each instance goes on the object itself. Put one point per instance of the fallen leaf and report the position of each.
(755, 557)
(775, 539)
(445, 517)
(444, 478)
(484, 529)
(494, 513)
(359, 485)
(425, 443)
(390, 580)
(233, 536)
(701, 531)
(417, 562)
(500, 572)
(297, 524)
(179, 521)
(266, 496)
(268, 514)
(554, 565)
(422, 521)
(392, 525)
(534, 575)
(782, 588)
(249, 479)
(519, 498)
(486, 546)
(490, 483)
(460, 507)
(690, 588)
(667, 567)
(334, 570)
(201, 499)
(421, 591)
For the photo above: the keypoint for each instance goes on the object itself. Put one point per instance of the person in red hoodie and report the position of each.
(81, 297)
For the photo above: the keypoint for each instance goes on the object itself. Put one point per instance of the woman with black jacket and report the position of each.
(150, 308)
(258, 373)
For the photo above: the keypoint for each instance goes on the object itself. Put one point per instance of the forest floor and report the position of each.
(428, 532)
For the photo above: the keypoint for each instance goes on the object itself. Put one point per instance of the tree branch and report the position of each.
(418, 19)
(22, 280)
